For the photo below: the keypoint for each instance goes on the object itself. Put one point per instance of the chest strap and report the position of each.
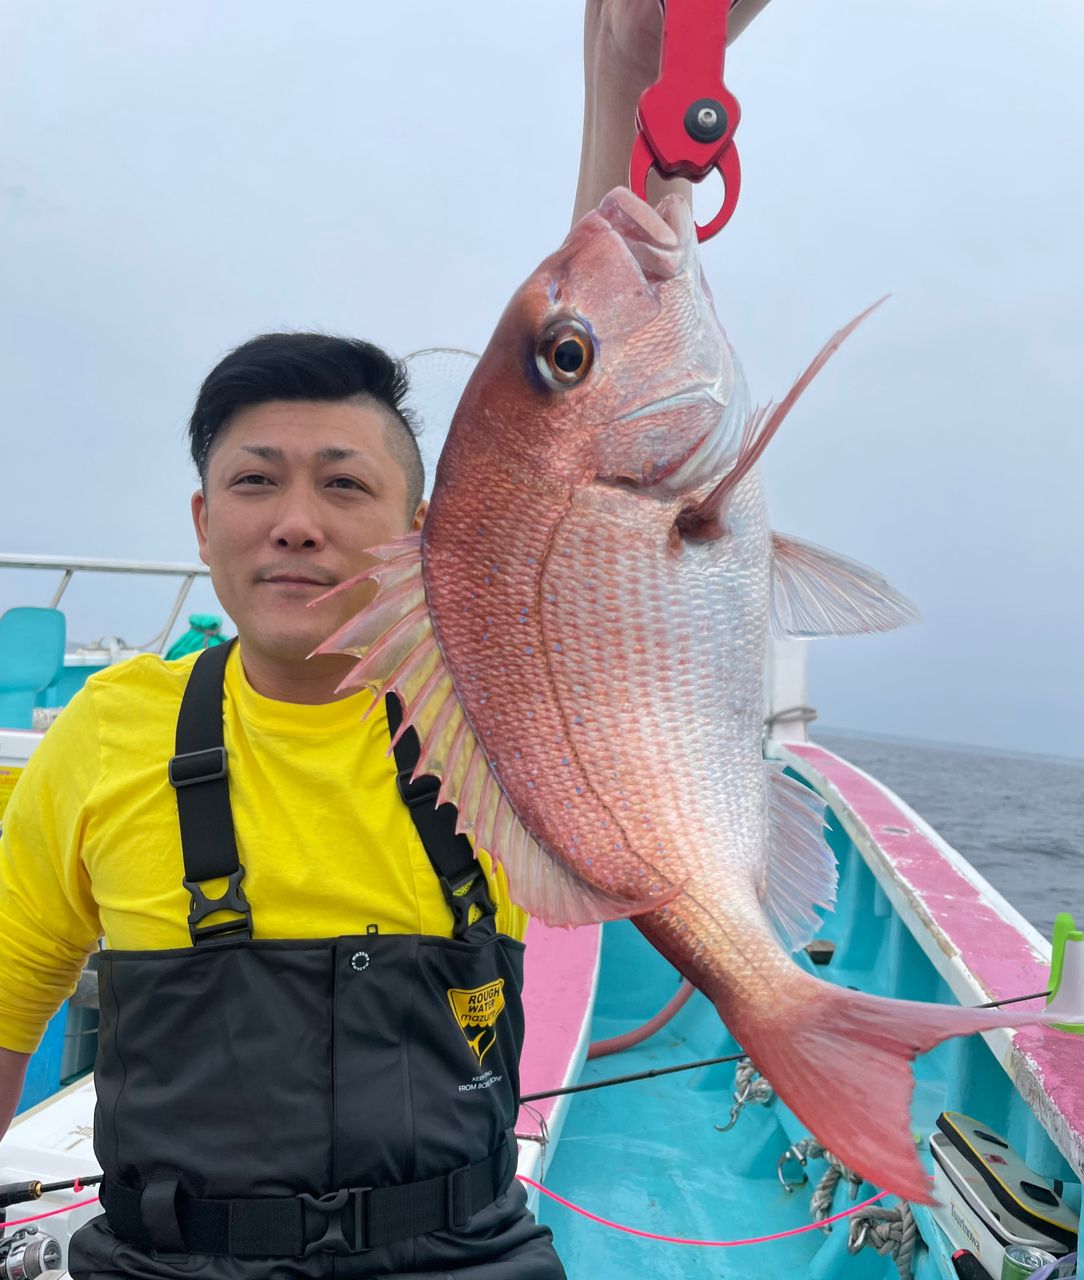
(352, 1220)
(452, 855)
(199, 774)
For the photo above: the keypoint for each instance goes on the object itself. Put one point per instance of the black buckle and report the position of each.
(458, 1189)
(233, 899)
(197, 766)
(330, 1207)
(470, 890)
(420, 791)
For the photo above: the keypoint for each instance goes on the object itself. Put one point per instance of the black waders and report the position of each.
(332, 1107)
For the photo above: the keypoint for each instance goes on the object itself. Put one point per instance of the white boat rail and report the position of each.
(70, 565)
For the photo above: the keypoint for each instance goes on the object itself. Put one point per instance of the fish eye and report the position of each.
(565, 353)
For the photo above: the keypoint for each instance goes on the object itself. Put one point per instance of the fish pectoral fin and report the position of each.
(801, 869)
(816, 592)
(707, 519)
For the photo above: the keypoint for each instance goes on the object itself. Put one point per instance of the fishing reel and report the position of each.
(28, 1253)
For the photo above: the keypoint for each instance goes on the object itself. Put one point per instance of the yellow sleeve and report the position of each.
(48, 918)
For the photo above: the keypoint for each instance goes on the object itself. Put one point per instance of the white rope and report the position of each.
(888, 1231)
(749, 1086)
(820, 1203)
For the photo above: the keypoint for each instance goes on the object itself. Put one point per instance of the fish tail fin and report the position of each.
(842, 1063)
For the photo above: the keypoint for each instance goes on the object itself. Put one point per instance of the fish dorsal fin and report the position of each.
(706, 519)
(818, 593)
(801, 869)
(397, 652)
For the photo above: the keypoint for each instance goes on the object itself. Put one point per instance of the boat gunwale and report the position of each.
(977, 941)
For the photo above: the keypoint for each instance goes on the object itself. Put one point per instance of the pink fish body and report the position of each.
(579, 637)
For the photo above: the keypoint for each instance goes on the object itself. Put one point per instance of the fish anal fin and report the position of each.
(816, 592)
(800, 873)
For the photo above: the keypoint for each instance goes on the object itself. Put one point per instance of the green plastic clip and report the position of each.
(1067, 973)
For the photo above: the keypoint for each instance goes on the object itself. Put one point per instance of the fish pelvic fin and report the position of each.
(819, 593)
(397, 652)
(800, 873)
(841, 1061)
(705, 520)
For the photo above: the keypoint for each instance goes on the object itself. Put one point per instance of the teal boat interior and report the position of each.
(652, 1154)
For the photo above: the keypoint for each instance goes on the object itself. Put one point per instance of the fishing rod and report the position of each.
(640, 1075)
(712, 1062)
(21, 1192)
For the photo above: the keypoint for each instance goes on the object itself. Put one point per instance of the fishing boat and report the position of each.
(647, 1142)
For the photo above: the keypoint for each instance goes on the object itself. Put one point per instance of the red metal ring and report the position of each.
(642, 161)
(729, 166)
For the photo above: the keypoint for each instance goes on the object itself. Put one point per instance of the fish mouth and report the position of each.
(661, 241)
(701, 387)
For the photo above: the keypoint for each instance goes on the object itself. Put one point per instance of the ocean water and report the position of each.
(1018, 819)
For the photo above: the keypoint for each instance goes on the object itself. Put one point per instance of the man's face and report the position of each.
(295, 493)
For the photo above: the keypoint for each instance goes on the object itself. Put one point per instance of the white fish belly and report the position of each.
(657, 660)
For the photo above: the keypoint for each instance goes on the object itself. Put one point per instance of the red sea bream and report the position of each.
(579, 634)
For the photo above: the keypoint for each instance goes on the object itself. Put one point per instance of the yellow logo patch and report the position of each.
(477, 1012)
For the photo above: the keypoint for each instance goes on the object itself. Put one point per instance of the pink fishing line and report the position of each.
(51, 1213)
(708, 1244)
(586, 1213)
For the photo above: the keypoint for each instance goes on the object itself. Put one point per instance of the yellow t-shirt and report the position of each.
(91, 844)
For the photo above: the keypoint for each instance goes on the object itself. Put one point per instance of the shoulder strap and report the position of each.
(451, 855)
(199, 774)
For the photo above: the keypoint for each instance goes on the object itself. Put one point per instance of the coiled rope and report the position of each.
(888, 1231)
(749, 1086)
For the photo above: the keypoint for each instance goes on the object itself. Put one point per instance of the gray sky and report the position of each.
(175, 177)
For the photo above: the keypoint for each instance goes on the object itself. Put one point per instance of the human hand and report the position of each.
(624, 38)
(621, 43)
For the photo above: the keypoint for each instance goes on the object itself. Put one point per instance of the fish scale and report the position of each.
(579, 634)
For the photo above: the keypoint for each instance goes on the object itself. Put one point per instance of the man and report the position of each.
(289, 927)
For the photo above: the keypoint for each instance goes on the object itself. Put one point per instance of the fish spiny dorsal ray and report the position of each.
(397, 652)
(706, 519)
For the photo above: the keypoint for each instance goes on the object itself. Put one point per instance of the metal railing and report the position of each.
(70, 565)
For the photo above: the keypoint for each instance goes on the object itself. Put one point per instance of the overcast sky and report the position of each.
(175, 177)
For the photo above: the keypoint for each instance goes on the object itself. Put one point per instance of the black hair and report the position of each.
(307, 366)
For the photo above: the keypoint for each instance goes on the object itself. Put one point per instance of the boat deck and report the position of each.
(909, 923)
